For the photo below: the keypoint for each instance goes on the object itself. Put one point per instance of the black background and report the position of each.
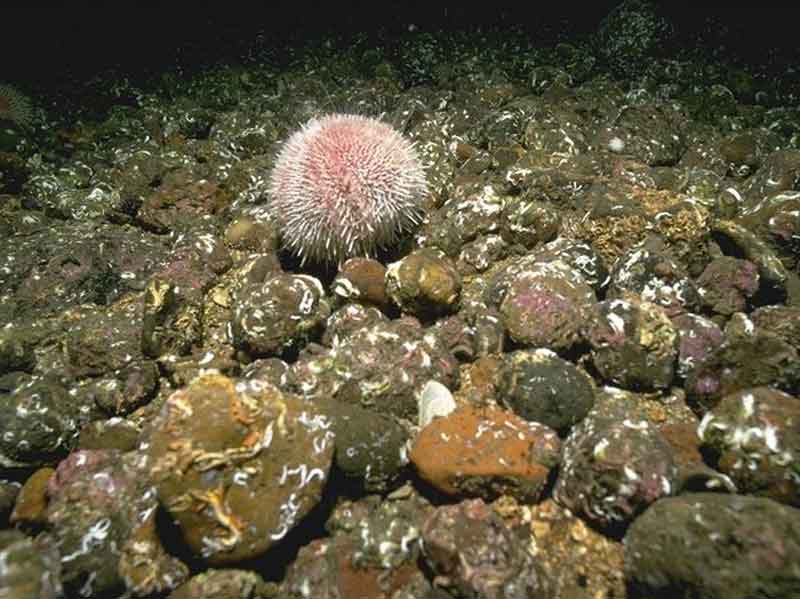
(53, 40)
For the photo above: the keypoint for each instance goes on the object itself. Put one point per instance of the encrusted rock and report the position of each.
(31, 568)
(572, 555)
(114, 433)
(237, 464)
(613, 469)
(248, 233)
(748, 357)
(478, 255)
(712, 545)
(49, 269)
(384, 531)
(528, 223)
(542, 387)
(486, 452)
(580, 256)
(783, 321)
(754, 249)
(629, 35)
(382, 367)
(634, 344)
(102, 513)
(171, 323)
(348, 319)
(180, 202)
(278, 314)
(650, 271)
(425, 283)
(779, 172)
(41, 422)
(472, 210)
(776, 219)
(547, 305)
(102, 341)
(727, 284)
(474, 554)
(16, 350)
(224, 584)
(698, 337)
(129, 388)
(9, 491)
(373, 552)
(754, 435)
(477, 330)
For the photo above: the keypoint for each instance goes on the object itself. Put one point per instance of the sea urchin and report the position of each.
(344, 185)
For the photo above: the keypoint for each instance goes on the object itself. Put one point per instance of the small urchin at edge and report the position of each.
(15, 106)
(344, 185)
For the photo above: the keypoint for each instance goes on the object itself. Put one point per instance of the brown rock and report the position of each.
(32, 499)
(237, 464)
(425, 283)
(362, 280)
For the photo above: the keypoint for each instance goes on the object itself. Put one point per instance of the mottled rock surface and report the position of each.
(473, 553)
(237, 464)
(709, 545)
(611, 470)
(754, 435)
(541, 387)
(486, 452)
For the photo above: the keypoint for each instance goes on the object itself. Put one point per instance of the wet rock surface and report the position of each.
(708, 544)
(753, 435)
(424, 284)
(577, 377)
(101, 512)
(361, 280)
(30, 567)
(485, 453)
(370, 447)
(613, 469)
(634, 344)
(472, 552)
(237, 464)
(541, 387)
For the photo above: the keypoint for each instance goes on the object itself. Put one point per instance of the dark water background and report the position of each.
(58, 42)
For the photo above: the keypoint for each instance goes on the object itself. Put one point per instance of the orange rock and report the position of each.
(486, 452)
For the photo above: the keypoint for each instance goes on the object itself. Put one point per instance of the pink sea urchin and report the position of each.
(15, 106)
(344, 185)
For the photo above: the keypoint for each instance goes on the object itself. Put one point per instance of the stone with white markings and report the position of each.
(237, 464)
